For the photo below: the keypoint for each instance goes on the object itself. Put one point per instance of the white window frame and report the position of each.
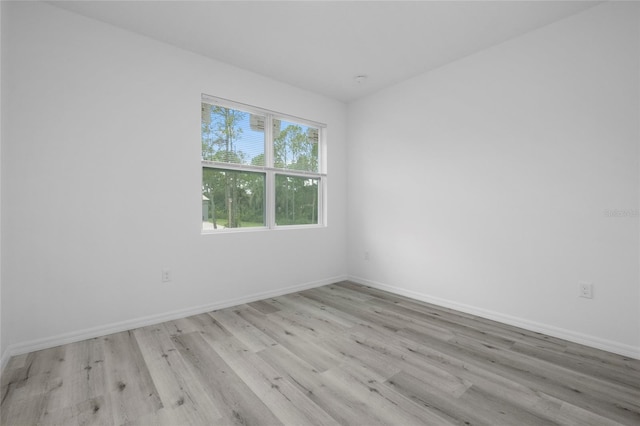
(269, 170)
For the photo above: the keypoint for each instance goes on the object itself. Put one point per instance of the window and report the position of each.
(260, 169)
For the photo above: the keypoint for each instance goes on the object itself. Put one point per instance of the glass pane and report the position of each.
(232, 199)
(295, 146)
(296, 200)
(232, 136)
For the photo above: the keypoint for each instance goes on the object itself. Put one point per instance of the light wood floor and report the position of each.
(339, 354)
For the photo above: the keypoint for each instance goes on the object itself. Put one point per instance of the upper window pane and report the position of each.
(232, 136)
(295, 146)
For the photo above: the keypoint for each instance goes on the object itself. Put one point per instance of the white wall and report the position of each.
(483, 185)
(102, 165)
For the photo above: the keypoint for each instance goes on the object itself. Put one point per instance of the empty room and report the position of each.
(318, 212)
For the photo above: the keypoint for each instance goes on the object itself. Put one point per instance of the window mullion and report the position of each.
(268, 141)
(322, 168)
(270, 198)
(322, 196)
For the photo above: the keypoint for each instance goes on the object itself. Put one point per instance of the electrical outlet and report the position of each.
(166, 275)
(366, 255)
(586, 289)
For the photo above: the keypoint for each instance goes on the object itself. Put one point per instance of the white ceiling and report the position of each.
(320, 45)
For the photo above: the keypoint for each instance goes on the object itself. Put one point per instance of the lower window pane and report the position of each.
(296, 200)
(232, 199)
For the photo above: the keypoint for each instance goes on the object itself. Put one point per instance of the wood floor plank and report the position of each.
(172, 416)
(243, 330)
(39, 380)
(295, 341)
(499, 384)
(534, 375)
(131, 392)
(234, 399)
(95, 411)
(383, 403)
(464, 411)
(179, 390)
(298, 303)
(350, 350)
(203, 323)
(81, 376)
(403, 359)
(295, 369)
(264, 307)
(622, 376)
(284, 400)
(606, 396)
(315, 326)
(488, 326)
(338, 354)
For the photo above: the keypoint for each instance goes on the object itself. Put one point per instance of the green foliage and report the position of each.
(294, 150)
(296, 197)
(296, 200)
(235, 198)
(220, 132)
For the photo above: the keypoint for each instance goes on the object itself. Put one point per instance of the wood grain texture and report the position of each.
(339, 354)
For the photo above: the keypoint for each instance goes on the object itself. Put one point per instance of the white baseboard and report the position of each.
(572, 336)
(90, 333)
